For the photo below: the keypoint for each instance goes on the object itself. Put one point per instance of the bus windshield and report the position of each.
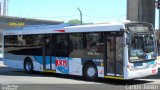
(142, 43)
(142, 47)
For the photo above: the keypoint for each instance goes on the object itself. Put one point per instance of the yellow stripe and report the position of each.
(52, 71)
(114, 77)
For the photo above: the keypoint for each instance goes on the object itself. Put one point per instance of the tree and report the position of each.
(74, 21)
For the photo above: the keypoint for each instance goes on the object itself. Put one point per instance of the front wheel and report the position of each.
(28, 66)
(90, 72)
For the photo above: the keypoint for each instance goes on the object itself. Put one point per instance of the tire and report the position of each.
(90, 72)
(28, 66)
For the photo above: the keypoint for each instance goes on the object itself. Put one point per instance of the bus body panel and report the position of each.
(62, 65)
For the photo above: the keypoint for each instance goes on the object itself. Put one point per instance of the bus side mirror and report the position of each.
(127, 41)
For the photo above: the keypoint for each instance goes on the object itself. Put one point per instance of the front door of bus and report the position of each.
(114, 46)
(48, 52)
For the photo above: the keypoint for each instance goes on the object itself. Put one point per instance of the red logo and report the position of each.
(62, 63)
(154, 71)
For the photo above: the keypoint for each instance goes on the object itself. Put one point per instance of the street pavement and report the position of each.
(19, 80)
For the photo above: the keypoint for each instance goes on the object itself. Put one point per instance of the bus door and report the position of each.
(114, 57)
(48, 46)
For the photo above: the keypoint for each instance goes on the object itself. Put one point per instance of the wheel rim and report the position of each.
(28, 66)
(91, 71)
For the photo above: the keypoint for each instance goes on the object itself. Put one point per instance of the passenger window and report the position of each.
(76, 45)
(94, 45)
(62, 45)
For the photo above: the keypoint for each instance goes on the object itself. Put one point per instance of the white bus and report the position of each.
(117, 51)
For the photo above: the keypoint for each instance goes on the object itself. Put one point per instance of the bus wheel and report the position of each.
(90, 72)
(28, 65)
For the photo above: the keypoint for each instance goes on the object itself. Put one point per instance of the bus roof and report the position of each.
(68, 29)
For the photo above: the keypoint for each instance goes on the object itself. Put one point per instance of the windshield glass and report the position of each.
(142, 43)
(142, 47)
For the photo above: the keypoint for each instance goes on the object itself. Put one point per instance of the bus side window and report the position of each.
(62, 49)
(61, 45)
(95, 45)
(76, 45)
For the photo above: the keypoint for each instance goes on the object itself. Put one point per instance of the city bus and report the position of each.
(114, 50)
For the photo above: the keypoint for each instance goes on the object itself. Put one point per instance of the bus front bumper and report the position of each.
(141, 73)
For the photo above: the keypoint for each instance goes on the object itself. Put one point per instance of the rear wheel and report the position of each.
(28, 66)
(90, 72)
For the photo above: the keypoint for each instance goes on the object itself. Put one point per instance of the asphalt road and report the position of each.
(12, 79)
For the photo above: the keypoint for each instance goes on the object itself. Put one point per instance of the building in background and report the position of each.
(141, 10)
(3, 7)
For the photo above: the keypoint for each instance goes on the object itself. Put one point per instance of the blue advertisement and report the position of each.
(62, 65)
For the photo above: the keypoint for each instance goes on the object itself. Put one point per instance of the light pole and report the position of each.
(80, 16)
